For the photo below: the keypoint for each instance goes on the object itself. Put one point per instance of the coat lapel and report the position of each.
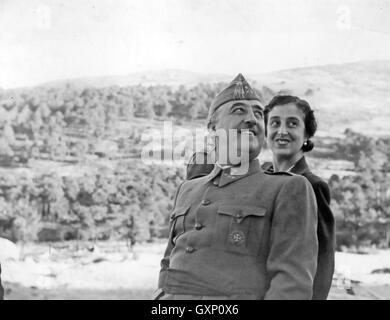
(301, 167)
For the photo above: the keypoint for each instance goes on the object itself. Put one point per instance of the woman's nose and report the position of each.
(282, 128)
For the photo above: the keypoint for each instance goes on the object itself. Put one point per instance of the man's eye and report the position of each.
(238, 110)
(258, 114)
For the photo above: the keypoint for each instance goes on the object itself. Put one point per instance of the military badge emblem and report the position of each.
(237, 237)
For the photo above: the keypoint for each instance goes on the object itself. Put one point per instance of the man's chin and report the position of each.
(250, 154)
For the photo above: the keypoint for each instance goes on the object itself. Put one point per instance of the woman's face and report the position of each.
(286, 130)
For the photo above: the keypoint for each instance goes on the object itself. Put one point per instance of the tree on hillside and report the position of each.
(361, 201)
(8, 133)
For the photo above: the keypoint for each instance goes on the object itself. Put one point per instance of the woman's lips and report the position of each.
(282, 142)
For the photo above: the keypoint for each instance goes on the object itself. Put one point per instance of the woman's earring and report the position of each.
(305, 143)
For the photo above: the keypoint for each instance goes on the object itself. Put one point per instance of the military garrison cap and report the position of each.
(238, 89)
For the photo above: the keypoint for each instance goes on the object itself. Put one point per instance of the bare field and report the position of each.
(70, 271)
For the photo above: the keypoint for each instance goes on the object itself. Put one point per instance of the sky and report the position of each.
(44, 40)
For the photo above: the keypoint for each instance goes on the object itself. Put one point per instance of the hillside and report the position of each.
(353, 95)
(171, 77)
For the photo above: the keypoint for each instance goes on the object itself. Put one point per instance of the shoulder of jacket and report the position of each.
(198, 157)
(193, 181)
(315, 180)
(280, 173)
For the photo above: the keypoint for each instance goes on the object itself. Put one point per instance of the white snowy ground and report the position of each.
(47, 268)
(87, 270)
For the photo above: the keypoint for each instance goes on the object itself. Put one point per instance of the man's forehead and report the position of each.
(249, 103)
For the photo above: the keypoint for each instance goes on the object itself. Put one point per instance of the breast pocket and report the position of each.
(178, 222)
(240, 228)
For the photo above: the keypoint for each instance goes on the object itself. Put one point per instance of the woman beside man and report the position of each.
(290, 123)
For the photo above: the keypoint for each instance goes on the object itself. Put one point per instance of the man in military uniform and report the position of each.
(235, 234)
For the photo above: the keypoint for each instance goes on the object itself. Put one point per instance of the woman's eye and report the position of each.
(273, 123)
(292, 124)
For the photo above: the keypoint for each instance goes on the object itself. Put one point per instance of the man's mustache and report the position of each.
(251, 128)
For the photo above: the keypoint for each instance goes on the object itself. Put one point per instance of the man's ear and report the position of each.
(211, 134)
(211, 130)
(211, 127)
(210, 144)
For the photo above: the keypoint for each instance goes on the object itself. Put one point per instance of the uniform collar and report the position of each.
(230, 174)
(216, 171)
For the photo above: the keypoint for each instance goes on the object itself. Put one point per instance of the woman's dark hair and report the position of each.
(309, 119)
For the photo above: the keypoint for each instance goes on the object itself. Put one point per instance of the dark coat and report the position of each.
(325, 231)
(249, 236)
(1, 288)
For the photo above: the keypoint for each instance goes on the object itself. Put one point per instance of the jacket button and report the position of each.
(216, 183)
(239, 215)
(198, 226)
(190, 249)
(206, 202)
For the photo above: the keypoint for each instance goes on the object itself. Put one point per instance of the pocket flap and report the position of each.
(180, 211)
(241, 212)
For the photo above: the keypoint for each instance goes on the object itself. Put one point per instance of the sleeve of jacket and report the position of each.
(326, 242)
(292, 256)
(165, 260)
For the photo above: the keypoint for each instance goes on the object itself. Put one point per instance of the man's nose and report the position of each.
(251, 118)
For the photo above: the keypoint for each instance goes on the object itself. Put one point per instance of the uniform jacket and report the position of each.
(252, 236)
(326, 224)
